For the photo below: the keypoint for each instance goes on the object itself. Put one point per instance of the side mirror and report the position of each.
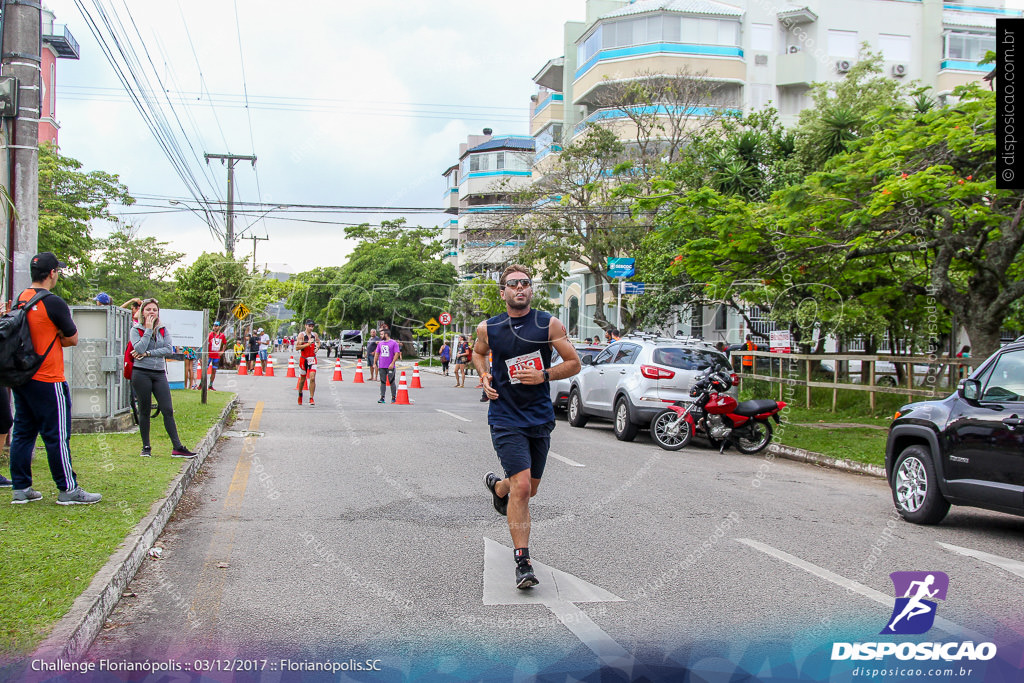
(587, 360)
(969, 390)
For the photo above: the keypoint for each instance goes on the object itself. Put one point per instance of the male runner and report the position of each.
(307, 343)
(216, 343)
(265, 349)
(386, 358)
(520, 413)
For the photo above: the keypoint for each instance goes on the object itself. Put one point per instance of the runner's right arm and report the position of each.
(481, 350)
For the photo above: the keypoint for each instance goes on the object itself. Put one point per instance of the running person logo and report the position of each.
(916, 592)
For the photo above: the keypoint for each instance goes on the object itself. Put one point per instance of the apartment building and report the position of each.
(756, 53)
(57, 43)
(476, 194)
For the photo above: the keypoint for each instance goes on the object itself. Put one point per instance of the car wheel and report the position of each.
(753, 437)
(915, 487)
(575, 409)
(625, 429)
(670, 432)
(886, 381)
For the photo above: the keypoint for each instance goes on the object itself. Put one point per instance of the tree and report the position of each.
(127, 265)
(924, 190)
(395, 274)
(218, 283)
(68, 200)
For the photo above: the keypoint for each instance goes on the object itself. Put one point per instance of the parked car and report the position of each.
(560, 387)
(965, 449)
(350, 344)
(634, 378)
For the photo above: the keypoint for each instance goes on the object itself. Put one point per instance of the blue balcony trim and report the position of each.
(485, 209)
(606, 114)
(654, 48)
(550, 149)
(961, 65)
(986, 10)
(451, 190)
(553, 97)
(488, 174)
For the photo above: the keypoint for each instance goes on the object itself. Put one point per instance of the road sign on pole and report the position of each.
(445, 318)
(621, 267)
(432, 325)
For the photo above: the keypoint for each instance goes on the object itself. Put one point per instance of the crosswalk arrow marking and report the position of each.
(557, 591)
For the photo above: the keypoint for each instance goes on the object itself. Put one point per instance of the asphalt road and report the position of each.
(356, 531)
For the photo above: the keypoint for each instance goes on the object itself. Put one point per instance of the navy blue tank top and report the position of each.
(519, 341)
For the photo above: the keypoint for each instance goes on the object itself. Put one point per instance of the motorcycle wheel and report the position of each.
(667, 434)
(753, 437)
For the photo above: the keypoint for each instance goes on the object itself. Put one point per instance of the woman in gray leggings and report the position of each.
(151, 344)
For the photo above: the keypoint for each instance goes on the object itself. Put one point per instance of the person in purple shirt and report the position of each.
(387, 355)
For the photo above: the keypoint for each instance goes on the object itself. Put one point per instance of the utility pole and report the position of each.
(255, 239)
(21, 59)
(229, 235)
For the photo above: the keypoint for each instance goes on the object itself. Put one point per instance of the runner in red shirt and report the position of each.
(307, 343)
(216, 344)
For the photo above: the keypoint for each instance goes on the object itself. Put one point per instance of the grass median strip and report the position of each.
(49, 553)
(813, 430)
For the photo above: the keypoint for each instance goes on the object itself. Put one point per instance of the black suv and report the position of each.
(967, 449)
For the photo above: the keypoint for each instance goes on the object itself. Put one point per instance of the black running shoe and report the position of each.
(500, 504)
(525, 578)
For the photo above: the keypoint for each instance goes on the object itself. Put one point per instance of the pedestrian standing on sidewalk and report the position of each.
(520, 412)
(307, 344)
(386, 357)
(6, 418)
(151, 344)
(42, 406)
(371, 350)
(252, 349)
(446, 357)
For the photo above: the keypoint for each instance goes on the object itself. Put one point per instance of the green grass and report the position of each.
(848, 443)
(49, 553)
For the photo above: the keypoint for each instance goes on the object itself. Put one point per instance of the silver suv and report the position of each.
(636, 377)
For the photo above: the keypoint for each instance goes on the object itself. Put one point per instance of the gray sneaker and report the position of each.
(20, 496)
(5, 483)
(78, 496)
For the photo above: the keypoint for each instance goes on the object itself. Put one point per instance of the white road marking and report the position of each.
(457, 417)
(566, 460)
(557, 591)
(1012, 566)
(854, 587)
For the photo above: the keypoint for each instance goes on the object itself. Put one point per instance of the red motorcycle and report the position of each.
(716, 416)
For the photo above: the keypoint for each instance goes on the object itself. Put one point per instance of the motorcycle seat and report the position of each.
(756, 407)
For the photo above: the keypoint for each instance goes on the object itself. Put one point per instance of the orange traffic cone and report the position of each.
(300, 384)
(415, 377)
(337, 371)
(358, 379)
(291, 367)
(403, 392)
(199, 372)
(257, 370)
(270, 366)
(243, 369)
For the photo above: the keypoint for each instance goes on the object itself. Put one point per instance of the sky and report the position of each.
(349, 103)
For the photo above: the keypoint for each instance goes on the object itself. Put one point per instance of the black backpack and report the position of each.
(18, 358)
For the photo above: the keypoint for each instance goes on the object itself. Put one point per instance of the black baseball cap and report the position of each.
(310, 321)
(45, 262)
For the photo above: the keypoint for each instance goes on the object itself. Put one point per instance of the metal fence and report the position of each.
(99, 390)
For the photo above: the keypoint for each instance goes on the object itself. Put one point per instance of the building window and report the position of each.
(762, 38)
(842, 43)
(574, 316)
(500, 161)
(658, 28)
(697, 322)
(760, 95)
(970, 47)
(894, 48)
(53, 91)
(590, 46)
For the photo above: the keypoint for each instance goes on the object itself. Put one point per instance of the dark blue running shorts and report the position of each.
(522, 448)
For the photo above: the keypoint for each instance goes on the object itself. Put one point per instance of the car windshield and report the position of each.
(688, 359)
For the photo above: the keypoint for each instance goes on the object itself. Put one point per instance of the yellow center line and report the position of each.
(236, 491)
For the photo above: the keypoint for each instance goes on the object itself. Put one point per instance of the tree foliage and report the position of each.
(68, 200)
(126, 265)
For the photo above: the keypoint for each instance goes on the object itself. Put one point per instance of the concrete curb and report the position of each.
(74, 633)
(801, 455)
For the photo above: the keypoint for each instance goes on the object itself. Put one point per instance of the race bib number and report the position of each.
(311, 363)
(215, 344)
(385, 351)
(527, 360)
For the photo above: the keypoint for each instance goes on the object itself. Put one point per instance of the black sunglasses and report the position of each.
(515, 284)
